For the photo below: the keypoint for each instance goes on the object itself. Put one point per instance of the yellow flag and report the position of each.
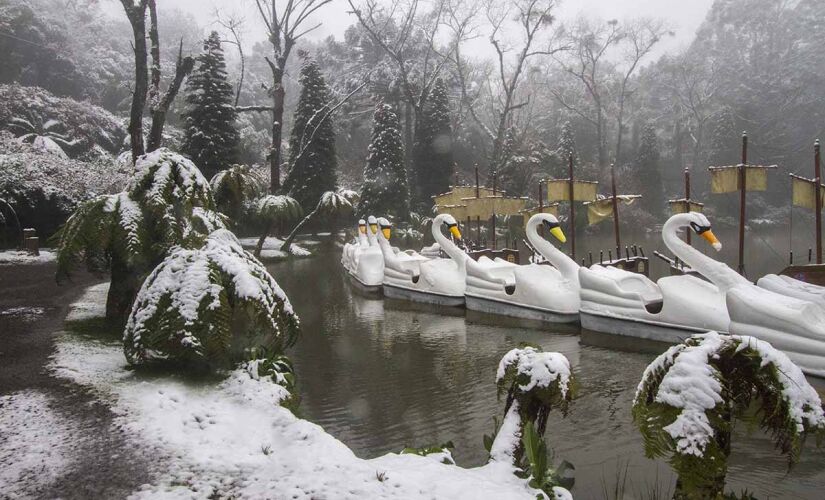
(803, 193)
(559, 190)
(602, 209)
(679, 206)
(726, 179)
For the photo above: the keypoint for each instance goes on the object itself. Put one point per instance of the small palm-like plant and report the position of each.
(8, 215)
(234, 188)
(691, 396)
(46, 134)
(274, 211)
(332, 205)
(167, 203)
(209, 305)
(535, 382)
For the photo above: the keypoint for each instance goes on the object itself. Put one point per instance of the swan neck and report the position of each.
(566, 266)
(446, 244)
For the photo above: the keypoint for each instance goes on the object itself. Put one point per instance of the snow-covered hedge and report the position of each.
(209, 305)
(690, 397)
(87, 124)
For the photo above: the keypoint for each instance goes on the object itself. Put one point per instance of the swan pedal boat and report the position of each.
(363, 260)
(619, 302)
(409, 276)
(536, 292)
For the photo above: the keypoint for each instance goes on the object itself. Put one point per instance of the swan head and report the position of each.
(701, 225)
(373, 222)
(452, 226)
(385, 225)
(362, 226)
(552, 224)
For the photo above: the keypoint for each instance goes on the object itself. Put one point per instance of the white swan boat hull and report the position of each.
(395, 291)
(513, 310)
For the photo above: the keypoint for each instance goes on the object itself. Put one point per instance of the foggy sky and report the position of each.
(684, 17)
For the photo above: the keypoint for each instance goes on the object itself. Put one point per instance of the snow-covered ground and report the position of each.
(8, 257)
(35, 443)
(272, 248)
(233, 439)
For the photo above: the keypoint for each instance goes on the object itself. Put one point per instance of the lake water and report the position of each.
(380, 375)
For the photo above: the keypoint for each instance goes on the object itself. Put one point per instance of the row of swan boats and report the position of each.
(786, 312)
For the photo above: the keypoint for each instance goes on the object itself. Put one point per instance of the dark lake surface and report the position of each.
(380, 375)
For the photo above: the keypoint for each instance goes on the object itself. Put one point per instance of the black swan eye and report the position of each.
(699, 229)
(551, 225)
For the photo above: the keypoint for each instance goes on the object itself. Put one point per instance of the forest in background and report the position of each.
(585, 86)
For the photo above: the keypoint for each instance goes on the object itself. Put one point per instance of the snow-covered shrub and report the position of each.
(209, 305)
(691, 396)
(535, 382)
(332, 206)
(45, 188)
(274, 211)
(168, 203)
(76, 126)
(236, 187)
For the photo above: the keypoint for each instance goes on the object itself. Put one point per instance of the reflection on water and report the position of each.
(380, 375)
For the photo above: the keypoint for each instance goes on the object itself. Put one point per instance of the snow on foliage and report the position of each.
(209, 304)
(235, 187)
(540, 369)
(81, 125)
(385, 189)
(690, 395)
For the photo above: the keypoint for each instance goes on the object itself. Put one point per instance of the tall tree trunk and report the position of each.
(137, 18)
(182, 69)
(278, 94)
(260, 246)
(123, 289)
(408, 147)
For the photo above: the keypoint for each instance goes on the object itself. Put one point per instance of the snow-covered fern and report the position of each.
(209, 305)
(236, 187)
(691, 396)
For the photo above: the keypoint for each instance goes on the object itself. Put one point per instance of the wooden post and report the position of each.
(541, 209)
(477, 193)
(687, 201)
(615, 207)
(494, 210)
(818, 202)
(573, 206)
(742, 199)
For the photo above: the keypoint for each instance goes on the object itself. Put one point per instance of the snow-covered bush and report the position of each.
(273, 211)
(32, 110)
(535, 382)
(691, 396)
(236, 187)
(45, 188)
(331, 206)
(209, 305)
(168, 203)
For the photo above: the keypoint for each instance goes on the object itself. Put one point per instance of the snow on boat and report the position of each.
(363, 260)
(433, 281)
(624, 303)
(533, 291)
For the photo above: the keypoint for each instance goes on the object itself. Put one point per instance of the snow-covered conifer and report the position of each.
(211, 139)
(385, 190)
(312, 161)
(647, 168)
(433, 149)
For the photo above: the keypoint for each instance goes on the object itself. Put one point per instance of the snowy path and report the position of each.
(231, 439)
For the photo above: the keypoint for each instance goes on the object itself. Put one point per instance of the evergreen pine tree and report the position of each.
(724, 139)
(384, 191)
(312, 172)
(433, 150)
(210, 137)
(648, 169)
(567, 144)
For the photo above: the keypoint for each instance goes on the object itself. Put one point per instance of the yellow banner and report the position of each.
(559, 190)
(483, 208)
(458, 193)
(726, 179)
(602, 209)
(680, 206)
(804, 194)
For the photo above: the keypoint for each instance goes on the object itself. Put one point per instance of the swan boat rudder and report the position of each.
(543, 293)
(433, 281)
(623, 303)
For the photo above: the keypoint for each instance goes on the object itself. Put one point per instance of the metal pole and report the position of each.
(687, 200)
(541, 209)
(615, 206)
(818, 205)
(572, 207)
(742, 196)
(494, 210)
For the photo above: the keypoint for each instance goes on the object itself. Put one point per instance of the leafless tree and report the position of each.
(234, 25)
(531, 18)
(285, 26)
(136, 13)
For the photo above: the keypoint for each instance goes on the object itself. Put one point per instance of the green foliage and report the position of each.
(277, 209)
(312, 159)
(750, 374)
(445, 448)
(234, 189)
(534, 464)
(433, 148)
(385, 190)
(209, 306)
(210, 138)
(276, 367)
(648, 168)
